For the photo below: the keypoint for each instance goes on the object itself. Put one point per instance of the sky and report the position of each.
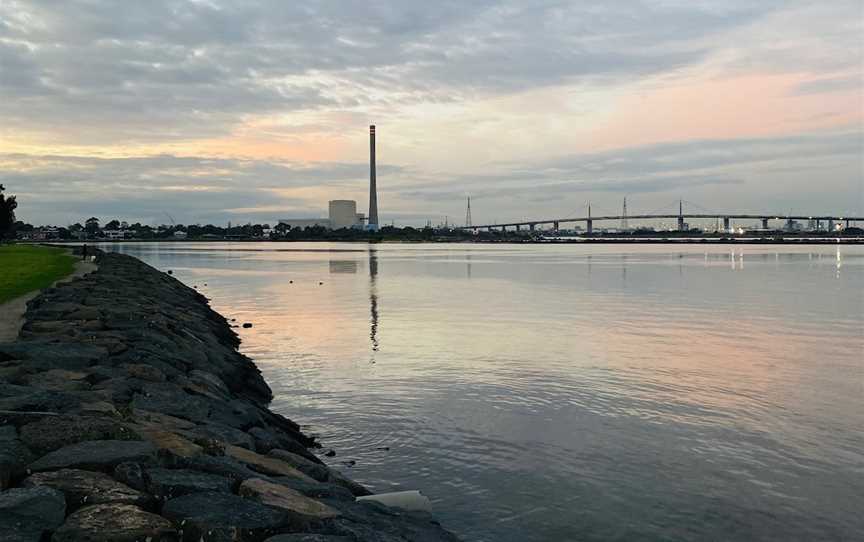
(238, 110)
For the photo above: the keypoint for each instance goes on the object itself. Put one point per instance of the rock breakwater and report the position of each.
(127, 413)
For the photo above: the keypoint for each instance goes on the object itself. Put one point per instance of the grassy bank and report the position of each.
(24, 268)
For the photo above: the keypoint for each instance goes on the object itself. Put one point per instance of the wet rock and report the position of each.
(81, 487)
(223, 516)
(374, 522)
(300, 509)
(101, 455)
(246, 325)
(170, 483)
(264, 464)
(115, 523)
(51, 433)
(26, 514)
(336, 477)
(330, 453)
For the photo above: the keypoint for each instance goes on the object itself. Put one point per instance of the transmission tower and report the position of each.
(624, 225)
(468, 214)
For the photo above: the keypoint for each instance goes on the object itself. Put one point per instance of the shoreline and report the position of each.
(12, 311)
(127, 413)
(504, 240)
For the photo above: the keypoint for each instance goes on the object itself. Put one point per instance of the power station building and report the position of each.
(342, 213)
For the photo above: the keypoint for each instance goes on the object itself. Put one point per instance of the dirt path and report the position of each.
(12, 312)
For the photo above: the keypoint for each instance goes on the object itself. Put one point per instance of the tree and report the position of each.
(92, 226)
(113, 225)
(7, 213)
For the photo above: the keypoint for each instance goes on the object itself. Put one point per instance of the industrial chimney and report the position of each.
(373, 189)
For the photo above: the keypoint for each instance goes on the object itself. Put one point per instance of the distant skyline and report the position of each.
(214, 110)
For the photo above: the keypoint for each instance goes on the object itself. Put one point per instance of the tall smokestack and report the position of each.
(373, 189)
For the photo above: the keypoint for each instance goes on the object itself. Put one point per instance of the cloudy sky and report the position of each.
(243, 110)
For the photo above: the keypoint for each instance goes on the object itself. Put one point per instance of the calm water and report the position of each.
(568, 392)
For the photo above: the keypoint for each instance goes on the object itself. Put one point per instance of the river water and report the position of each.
(565, 392)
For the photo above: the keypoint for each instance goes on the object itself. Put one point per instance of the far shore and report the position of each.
(513, 239)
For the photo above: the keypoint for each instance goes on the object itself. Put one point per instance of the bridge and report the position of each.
(680, 216)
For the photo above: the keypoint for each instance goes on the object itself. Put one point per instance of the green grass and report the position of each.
(24, 268)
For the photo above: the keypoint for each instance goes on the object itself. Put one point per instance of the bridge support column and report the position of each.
(726, 223)
(818, 224)
(790, 224)
(831, 225)
(680, 223)
(589, 225)
(532, 226)
(764, 223)
(555, 226)
(518, 227)
(847, 223)
(503, 228)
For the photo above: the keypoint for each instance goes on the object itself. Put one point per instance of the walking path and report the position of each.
(12, 312)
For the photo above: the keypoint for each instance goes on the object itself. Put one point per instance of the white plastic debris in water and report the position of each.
(408, 500)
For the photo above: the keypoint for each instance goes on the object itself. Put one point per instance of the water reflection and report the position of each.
(574, 377)
(373, 299)
(343, 266)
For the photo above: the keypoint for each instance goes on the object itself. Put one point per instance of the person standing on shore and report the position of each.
(84, 251)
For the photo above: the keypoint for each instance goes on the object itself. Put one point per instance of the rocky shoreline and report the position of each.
(127, 413)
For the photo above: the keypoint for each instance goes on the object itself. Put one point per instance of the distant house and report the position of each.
(114, 234)
(180, 235)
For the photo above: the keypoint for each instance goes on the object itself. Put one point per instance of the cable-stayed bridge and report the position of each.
(681, 216)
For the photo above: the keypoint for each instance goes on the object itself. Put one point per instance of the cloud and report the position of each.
(831, 84)
(108, 71)
(722, 174)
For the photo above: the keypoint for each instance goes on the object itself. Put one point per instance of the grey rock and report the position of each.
(302, 510)
(82, 487)
(221, 433)
(27, 513)
(131, 474)
(374, 522)
(219, 516)
(313, 470)
(51, 433)
(170, 483)
(101, 455)
(315, 490)
(309, 538)
(14, 457)
(115, 523)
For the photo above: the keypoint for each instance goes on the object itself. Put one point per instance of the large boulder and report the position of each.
(224, 517)
(170, 483)
(115, 523)
(14, 457)
(300, 509)
(315, 490)
(26, 514)
(264, 464)
(82, 487)
(53, 432)
(101, 455)
(305, 537)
